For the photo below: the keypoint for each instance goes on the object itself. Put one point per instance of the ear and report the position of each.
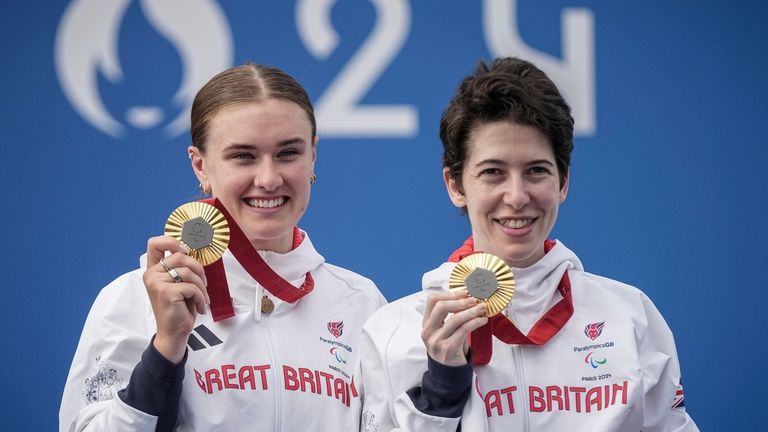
(454, 193)
(198, 166)
(566, 183)
(314, 149)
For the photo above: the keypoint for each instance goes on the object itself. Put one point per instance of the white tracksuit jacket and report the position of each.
(625, 379)
(289, 370)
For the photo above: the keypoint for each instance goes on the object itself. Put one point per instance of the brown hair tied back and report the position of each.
(248, 82)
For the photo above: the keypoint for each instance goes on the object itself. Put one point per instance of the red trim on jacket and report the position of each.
(504, 329)
(242, 249)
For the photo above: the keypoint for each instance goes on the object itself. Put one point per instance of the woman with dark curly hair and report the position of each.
(572, 351)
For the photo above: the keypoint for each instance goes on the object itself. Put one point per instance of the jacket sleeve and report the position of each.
(407, 392)
(117, 381)
(664, 402)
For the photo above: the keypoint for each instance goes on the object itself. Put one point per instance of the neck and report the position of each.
(280, 245)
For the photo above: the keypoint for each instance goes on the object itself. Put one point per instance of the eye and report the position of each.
(242, 156)
(288, 153)
(539, 170)
(489, 172)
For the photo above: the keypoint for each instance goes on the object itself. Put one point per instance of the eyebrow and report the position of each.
(501, 162)
(541, 162)
(244, 146)
(290, 141)
(490, 162)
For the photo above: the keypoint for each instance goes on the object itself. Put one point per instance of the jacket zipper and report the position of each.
(275, 355)
(523, 390)
(278, 375)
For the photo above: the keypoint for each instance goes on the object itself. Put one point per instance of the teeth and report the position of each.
(515, 223)
(261, 203)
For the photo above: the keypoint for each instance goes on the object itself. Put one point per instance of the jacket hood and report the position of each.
(535, 286)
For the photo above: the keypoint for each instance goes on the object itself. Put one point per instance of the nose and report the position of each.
(268, 176)
(516, 193)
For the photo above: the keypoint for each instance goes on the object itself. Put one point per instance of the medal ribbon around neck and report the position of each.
(242, 249)
(504, 329)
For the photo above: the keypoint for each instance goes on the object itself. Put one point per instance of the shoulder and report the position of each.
(602, 285)
(392, 345)
(405, 314)
(402, 315)
(125, 296)
(630, 300)
(353, 281)
(126, 287)
(120, 322)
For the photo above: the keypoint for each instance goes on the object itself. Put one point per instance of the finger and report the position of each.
(188, 269)
(440, 312)
(461, 336)
(443, 309)
(435, 298)
(450, 336)
(192, 296)
(181, 259)
(459, 319)
(158, 246)
(189, 276)
(449, 344)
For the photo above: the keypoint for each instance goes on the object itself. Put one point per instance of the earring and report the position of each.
(203, 190)
(312, 178)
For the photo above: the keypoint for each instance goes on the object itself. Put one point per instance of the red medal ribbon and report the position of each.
(504, 329)
(242, 249)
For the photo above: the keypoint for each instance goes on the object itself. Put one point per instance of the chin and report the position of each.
(522, 258)
(260, 234)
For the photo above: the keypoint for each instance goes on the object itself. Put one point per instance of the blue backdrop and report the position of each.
(666, 179)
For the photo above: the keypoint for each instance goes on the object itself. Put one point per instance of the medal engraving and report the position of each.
(197, 233)
(202, 228)
(481, 283)
(487, 278)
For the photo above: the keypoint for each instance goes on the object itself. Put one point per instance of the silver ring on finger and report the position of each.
(166, 267)
(171, 271)
(175, 275)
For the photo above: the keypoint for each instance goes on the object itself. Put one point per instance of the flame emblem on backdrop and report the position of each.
(86, 49)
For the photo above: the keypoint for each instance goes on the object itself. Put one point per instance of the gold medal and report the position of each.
(267, 305)
(487, 278)
(202, 227)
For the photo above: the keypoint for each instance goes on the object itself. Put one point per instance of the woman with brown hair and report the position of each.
(263, 339)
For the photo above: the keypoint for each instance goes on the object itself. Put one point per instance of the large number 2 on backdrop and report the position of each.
(338, 111)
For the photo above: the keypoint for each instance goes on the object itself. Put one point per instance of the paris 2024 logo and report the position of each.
(86, 52)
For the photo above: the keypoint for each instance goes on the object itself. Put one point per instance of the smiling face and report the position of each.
(258, 160)
(511, 190)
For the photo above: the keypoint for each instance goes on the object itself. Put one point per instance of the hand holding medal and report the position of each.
(480, 286)
(202, 228)
(487, 278)
(197, 234)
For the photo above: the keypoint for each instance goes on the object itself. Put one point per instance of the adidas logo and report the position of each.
(206, 335)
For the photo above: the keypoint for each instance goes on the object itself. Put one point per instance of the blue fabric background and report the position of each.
(666, 193)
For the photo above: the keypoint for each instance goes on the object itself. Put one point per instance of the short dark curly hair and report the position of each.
(510, 89)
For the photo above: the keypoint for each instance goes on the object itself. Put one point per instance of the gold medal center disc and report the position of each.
(202, 227)
(487, 278)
